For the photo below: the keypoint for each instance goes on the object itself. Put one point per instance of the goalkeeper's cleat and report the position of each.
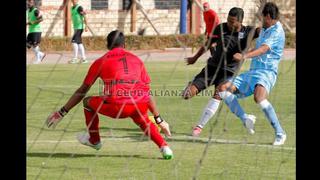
(73, 61)
(166, 152)
(280, 139)
(249, 123)
(196, 131)
(84, 139)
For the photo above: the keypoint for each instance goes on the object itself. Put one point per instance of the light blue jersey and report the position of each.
(263, 68)
(273, 37)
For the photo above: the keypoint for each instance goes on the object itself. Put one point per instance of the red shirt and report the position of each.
(211, 19)
(124, 75)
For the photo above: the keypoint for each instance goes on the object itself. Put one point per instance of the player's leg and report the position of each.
(140, 117)
(40, 54)
(198, 84)
(215, 77)
(29, 41)
(207, 114)
(81, 48)
(92, 105)
(260, 97)
(189, 91)
(74, 41)
(34, 41)
(227, 92)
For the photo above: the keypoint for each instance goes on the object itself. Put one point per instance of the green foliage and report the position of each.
(134, 42)
(290, 40)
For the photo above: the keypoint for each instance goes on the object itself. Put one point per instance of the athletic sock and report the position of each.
(208, 112)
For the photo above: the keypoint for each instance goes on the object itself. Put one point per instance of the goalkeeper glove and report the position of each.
(163, 125)
(56, 117)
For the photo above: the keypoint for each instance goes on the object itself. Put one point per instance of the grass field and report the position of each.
(126, 154)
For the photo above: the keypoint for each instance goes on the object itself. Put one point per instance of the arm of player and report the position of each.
(85, 22)
(161, 122)
(83, 13)
(193, 59)
(210, 43)
(257, 52)
(55, 117)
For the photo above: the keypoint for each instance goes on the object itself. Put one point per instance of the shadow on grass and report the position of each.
(121, 129)
(77, 155)
(204, 140)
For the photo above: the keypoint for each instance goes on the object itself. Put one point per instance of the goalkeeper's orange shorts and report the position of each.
(138, 113)
(98, 104)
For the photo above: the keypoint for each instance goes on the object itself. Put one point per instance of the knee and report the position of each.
(225, 95)
(216, 95)
(258, 99)
(86, 103)
(189, 92)
(220, 92)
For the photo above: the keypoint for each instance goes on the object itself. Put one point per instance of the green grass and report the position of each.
(126, 154)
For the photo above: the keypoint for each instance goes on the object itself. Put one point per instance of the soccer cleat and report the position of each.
(73, 61)
(280, 139)
(84, 139)
(196, 131)
(83, 61)
(249, 123)
(166, 152)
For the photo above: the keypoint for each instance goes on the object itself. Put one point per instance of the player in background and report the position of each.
(263, 71)
(229, 38)
(211, 19)
(79, 22)
(126, 94)
(34, 35)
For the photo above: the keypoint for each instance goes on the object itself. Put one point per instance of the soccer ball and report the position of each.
(154, 122)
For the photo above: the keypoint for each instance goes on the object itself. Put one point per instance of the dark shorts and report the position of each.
(33, 39)
(76, 38)
(209, 76)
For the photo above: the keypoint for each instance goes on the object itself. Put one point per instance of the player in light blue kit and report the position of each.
(262, 75)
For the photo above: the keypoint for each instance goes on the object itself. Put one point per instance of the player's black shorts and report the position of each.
(208, 78)
(76, 38)
(33, 39)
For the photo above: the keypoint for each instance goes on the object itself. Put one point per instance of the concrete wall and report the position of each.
(166, 21)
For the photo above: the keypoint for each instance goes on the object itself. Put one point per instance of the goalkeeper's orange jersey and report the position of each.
(124, 75)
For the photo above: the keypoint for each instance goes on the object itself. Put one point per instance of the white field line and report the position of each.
(187, 138)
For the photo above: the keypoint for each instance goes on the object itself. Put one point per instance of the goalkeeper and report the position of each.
(126, 94)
